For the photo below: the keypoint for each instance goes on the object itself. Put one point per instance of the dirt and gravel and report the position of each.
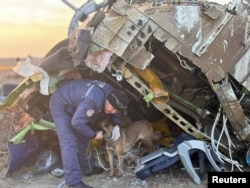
(174, 177)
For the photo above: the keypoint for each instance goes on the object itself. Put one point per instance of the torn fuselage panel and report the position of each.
(204, 34)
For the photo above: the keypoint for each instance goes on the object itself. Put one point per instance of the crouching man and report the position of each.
(72, 106)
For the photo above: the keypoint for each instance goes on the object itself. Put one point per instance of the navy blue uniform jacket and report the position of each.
(82, 99)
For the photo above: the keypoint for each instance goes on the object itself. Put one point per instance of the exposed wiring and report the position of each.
(184, 64)
(131, 171)
(100, 161)
(230, 143)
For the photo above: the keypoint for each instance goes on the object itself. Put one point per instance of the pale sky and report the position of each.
(33, 27)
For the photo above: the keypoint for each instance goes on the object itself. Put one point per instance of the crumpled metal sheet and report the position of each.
(242, 70)
(232, 108)
(126, 32)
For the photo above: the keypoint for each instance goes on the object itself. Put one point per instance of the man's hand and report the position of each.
(99, 135)
(115, 133)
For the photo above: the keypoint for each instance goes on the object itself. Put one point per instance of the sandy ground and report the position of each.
(175, 177)
(169, 178)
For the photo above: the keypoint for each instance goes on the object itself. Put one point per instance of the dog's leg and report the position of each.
(111, 162)
(149, 142)
(120, 164)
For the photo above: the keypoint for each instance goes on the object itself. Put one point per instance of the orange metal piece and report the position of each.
(155, 84)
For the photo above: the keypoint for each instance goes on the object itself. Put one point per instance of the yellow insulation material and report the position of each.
(162, 133)
(155, 84)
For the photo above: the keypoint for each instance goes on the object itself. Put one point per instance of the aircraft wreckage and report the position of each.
(187, 61)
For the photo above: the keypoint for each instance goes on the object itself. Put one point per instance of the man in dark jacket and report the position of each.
(72, 106)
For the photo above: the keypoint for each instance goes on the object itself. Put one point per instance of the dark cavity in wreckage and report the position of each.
(186, 62)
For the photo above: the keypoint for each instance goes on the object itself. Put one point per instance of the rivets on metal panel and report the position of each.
(129, 33)
(140, 22)
(149, 29)
(139, 42)
(142, 34)
(132, 27)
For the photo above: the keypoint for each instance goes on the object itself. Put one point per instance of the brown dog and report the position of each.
(139, 130)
